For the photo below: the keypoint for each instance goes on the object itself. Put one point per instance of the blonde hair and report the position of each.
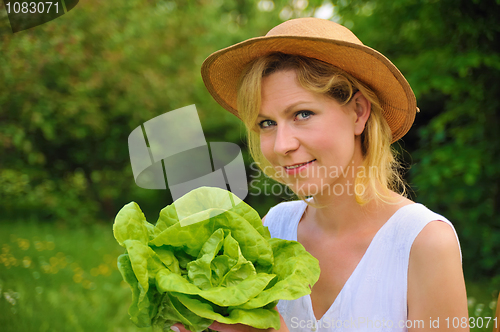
(320, 77)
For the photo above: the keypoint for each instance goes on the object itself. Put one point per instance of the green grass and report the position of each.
(57, 279)
(482, 299)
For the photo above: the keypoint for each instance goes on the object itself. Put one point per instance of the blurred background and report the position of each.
(72, 90)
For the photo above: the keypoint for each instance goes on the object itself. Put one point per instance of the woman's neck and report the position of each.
(341, 215)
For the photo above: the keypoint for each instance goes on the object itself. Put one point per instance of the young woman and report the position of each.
(321, 111)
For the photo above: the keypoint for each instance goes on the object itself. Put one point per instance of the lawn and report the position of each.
(53, 278)
(57, 279)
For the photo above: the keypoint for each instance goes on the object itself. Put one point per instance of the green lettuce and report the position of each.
(213, 265)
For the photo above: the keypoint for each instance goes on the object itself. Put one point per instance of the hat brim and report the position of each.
(221, 72)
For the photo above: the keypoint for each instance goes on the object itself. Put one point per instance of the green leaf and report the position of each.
(199, 271)
(168, 258)
(173, 311)
(296, 270)
(241, 270)
(222, 296)
(130, 224)
(139, 310)
(258, 318)
(191, 238)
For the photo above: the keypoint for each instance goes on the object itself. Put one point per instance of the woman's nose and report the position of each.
(285, 141)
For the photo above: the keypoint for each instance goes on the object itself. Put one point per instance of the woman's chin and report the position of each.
(308, 188)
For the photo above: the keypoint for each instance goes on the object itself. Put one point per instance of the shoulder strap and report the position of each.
(282, 219)
(414, 218)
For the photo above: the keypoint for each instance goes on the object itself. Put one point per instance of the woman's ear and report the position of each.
(362, 108)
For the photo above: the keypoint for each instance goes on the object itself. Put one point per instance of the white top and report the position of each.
(374, 296)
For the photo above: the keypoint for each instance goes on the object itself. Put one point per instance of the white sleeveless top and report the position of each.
(374, 296)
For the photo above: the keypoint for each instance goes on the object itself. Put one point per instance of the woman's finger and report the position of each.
(228, 327)
(233, 328)
(178, 328)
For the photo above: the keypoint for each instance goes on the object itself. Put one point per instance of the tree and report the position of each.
(74, 88)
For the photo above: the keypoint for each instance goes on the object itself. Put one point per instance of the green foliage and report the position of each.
(74, 88)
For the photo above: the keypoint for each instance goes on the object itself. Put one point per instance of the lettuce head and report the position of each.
(213, 265)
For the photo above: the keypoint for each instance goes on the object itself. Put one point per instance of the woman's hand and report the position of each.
(227, 328)
(223, 328)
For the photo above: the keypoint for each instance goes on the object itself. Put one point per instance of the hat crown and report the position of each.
(315, 28)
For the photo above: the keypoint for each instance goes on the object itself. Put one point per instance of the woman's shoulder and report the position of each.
(418, 215)
(287, 205)
(436, 236)
(433, 232)
(287, 208)
(414, 225)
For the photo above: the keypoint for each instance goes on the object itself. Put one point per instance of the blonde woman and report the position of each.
(321, 111)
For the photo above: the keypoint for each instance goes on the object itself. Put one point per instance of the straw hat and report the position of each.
(323, 40)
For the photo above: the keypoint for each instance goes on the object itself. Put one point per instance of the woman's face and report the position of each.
(309, 138)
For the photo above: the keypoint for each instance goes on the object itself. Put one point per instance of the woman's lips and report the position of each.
(294, 169)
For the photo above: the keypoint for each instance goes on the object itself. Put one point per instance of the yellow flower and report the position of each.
(94, 272)
(24, 244)
(26, 261)
(49, 245)
(39, 246)
(104, 270)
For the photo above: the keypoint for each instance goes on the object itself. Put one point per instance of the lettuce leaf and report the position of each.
(214, 264)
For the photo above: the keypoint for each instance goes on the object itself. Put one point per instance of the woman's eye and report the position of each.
(301, 115)
(266, 124)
